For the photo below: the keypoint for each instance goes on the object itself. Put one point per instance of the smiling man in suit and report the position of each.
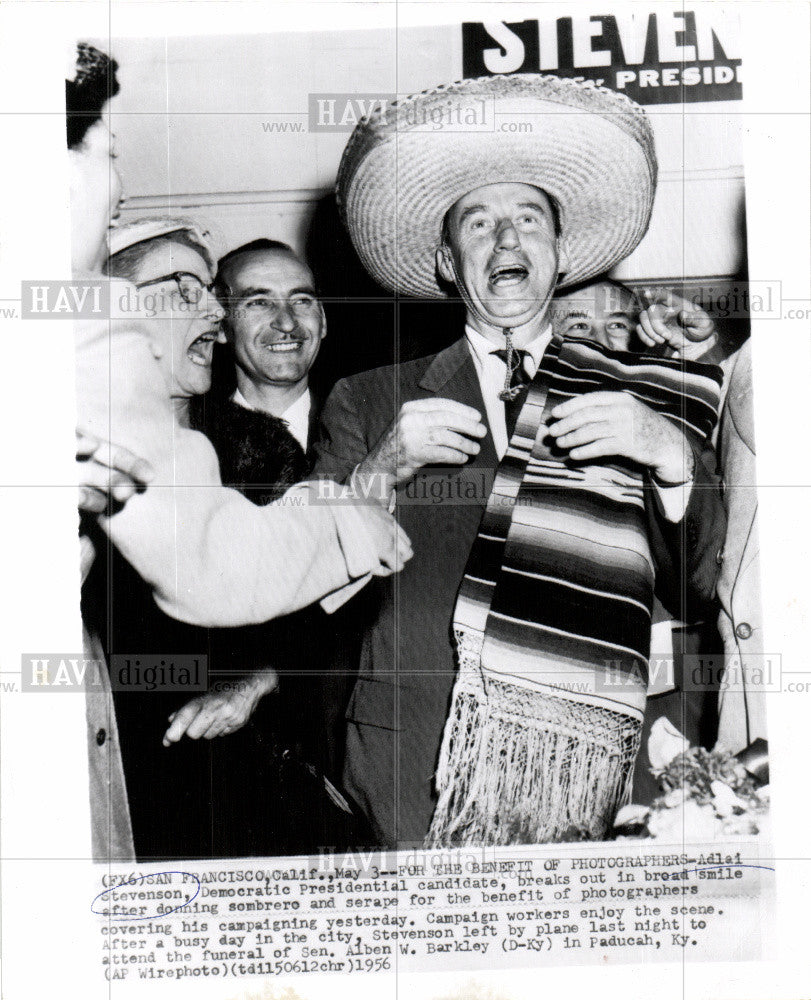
(275, 324)
(603, 467)
(261, 430)
(259, 417)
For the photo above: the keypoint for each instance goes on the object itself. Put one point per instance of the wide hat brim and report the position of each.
(591, 149)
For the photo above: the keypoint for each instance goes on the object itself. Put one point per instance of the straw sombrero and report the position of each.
(408, 162)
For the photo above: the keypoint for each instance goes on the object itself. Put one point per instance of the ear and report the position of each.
(564, 261)
(323, 321)
(444, 263)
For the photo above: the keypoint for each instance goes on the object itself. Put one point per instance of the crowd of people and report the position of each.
(385, 672)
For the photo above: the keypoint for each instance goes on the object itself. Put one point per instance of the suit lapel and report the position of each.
(446, 365)
(452, 375)
(312, 428)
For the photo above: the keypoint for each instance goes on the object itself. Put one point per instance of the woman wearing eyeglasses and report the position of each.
(290, 554)
(170, 263)
(202, 553)
(180, 796)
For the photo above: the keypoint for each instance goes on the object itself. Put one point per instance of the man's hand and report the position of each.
(107, 472)
(605, 424)
(425, 432)
(219, 713)
(674, 322)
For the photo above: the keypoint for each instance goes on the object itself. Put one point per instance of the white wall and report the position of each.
(193, 118)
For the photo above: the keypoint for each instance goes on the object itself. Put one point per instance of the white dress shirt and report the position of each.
(296, 416)
(492, 371)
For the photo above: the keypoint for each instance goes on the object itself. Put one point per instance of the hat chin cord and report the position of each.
(509, 392)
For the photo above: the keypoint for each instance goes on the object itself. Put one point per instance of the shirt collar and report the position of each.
(297, 411)
(240, 400)
(482, 347)
(296, 416)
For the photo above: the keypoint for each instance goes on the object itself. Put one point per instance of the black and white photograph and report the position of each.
(419, 582)
(491, 685)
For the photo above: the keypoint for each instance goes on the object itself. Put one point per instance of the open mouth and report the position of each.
(201, 350)
(284, 346)
(508, 274)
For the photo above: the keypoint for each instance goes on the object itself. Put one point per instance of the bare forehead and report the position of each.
(503, 195)
(268, 269)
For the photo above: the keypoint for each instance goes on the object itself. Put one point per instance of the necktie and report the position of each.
(520, 379)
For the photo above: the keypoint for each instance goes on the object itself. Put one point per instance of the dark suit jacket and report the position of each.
(400, 702)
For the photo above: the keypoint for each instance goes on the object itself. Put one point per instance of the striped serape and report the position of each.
(553, 618)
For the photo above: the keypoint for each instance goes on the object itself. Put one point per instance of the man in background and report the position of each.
(604, 311)
(663, 322)
(275, 326)
(683, 329)
(259, 416)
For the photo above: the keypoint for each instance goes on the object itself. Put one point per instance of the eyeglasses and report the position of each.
(191, 288)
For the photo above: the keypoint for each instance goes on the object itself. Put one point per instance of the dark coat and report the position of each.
(400, 702)
(258, 791)
(259, 456)
(257, 453)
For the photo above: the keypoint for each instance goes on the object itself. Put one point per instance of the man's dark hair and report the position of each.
(224, 263)
(87, 93)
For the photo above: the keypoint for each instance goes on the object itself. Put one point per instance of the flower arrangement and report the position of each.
(706, 794)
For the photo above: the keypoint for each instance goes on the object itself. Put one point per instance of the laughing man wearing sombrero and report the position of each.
(586, 463)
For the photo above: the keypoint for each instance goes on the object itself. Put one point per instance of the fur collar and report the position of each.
(258, 455)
